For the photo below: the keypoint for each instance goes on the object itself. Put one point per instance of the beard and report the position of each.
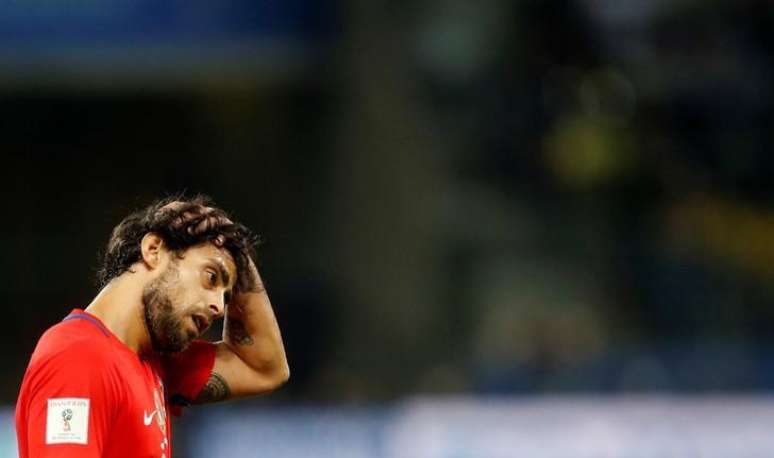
(165, 327)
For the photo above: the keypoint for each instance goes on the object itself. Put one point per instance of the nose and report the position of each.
(217, 306)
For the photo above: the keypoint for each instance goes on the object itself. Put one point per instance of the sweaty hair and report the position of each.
(181, 226)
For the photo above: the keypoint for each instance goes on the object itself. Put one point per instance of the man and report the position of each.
(99, 383)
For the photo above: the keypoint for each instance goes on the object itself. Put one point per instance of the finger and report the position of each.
(219, 215)
(174, 205)
(185, 218)
(210, 223)
(203, 226)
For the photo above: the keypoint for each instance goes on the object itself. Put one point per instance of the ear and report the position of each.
(151, 248)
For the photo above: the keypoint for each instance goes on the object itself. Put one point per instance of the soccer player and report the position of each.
(100, 383)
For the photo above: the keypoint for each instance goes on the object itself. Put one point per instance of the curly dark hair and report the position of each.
(181, 222)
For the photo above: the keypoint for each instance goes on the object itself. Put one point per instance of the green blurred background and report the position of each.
(501, 197)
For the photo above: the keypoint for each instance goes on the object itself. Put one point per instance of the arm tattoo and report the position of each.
(238, 333)
(215, 390)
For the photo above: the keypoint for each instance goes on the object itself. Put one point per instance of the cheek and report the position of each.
(181, 297)
(189, 297)
(177, 296)
(188, 290)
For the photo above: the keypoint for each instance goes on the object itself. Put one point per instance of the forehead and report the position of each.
(207, 252)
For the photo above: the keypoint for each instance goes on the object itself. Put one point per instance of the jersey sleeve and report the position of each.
(70, 401)
(186, 373)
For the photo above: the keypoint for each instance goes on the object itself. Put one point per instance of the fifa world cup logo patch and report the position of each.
(67, 421)
(67, 415)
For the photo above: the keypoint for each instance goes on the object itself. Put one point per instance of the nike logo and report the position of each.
(147, 419)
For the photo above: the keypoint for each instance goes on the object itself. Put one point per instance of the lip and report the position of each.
(201, 322)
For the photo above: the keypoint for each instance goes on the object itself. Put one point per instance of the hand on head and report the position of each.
(198, 219)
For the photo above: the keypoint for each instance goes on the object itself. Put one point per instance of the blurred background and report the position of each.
(483, 222)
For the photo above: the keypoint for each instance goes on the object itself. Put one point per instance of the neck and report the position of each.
(119, 306)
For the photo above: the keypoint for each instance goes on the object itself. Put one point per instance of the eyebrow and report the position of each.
(222, 271)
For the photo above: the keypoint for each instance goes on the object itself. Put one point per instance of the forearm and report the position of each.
(250, 360)
(252, 333)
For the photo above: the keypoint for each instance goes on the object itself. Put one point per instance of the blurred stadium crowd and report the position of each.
(456, 197)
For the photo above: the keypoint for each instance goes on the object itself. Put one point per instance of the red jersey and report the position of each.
(86, 394)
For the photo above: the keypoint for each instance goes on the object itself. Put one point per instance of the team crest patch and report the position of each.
(67, 421)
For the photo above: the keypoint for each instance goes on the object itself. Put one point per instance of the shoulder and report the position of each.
(72, 361)
(74, 344)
